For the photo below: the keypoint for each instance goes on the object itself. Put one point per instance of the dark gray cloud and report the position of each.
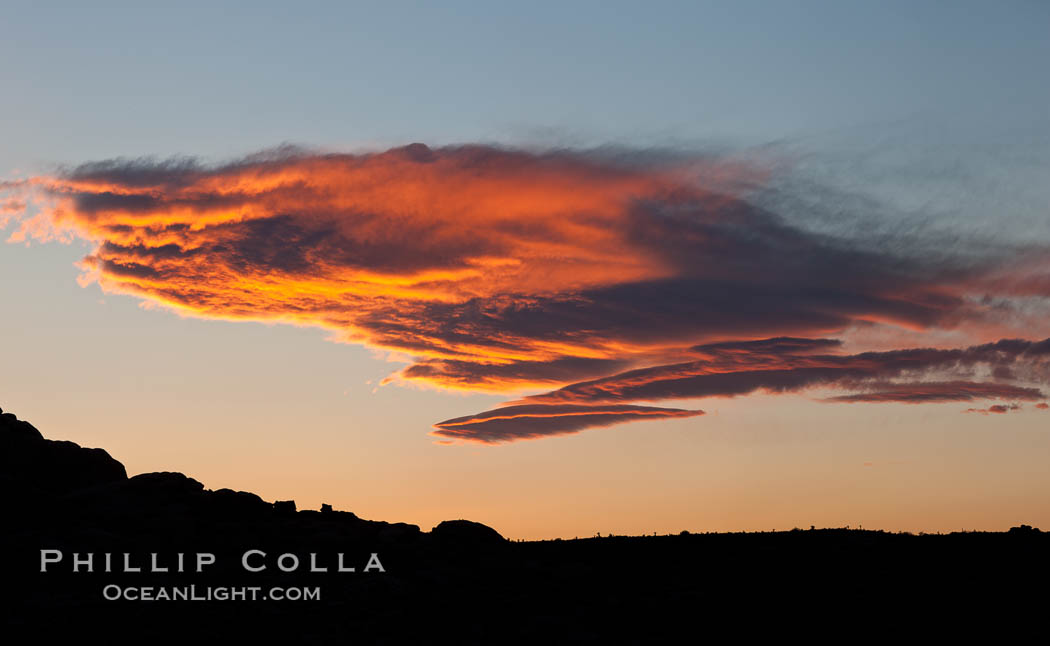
(997, 409)
(533, 421)
(939, 391)
(786, 370)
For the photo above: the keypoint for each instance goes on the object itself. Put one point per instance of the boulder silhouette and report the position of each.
(1025, 530)
(50, 466)
(284, 506)
(238, 504)
(466, 532)
(167, 484)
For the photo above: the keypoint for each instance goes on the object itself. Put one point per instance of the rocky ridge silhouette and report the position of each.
(461, 582)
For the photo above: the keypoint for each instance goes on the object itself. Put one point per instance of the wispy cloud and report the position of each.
(777, 365)
(531, 421)
(788, 365)
(936, 392)
(997, 409)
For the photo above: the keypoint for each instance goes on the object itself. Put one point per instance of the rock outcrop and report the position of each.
(31, 462)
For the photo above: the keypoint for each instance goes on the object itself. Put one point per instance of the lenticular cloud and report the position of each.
(601, 277)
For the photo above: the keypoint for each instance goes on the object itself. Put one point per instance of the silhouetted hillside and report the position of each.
(461, 581)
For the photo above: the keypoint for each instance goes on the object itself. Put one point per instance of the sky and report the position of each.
(561, 268)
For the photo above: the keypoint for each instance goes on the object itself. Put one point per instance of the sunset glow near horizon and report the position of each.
(825, 312)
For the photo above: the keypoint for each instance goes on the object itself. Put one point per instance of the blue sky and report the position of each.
(219, 79)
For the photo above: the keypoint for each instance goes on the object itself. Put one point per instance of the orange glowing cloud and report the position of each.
(607, 276)
(432, 253)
